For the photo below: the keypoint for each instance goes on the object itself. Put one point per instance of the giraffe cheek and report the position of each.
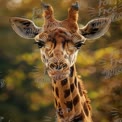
(44, 60)
(72, 58)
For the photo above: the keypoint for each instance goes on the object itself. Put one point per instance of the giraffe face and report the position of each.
(59, 41)
(59, 51)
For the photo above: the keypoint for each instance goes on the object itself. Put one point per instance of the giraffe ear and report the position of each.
(95, 28)
(24, 27)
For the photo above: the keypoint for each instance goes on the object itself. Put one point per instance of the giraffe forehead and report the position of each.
(56, 35)
(60, 32)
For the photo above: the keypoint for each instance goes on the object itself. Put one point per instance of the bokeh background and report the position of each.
(25, 88)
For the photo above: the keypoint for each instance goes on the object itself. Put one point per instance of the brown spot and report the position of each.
(89, 106)
(71, 71)
(57, 92)
(66, 93)
(43, 56)
(60, 112)
(80, 90)
(86, 109)
(64, 82)
(76, 100)
(54, 81)
(75, 81)
(72, 87)
(69, 105)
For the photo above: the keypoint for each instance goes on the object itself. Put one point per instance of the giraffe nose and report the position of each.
(58, 66)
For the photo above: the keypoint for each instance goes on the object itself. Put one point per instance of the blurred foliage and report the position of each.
(27, 96)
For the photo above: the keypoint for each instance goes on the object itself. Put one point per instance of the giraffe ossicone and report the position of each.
(59, 43)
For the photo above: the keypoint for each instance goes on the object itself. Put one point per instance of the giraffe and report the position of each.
(59, 43)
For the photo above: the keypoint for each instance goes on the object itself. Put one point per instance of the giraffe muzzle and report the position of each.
(58, 70)
(58, 66)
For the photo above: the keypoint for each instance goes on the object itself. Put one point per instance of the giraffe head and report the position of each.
(59, 51)
(60, 41)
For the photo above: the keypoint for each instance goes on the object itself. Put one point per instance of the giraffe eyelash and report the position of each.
(40, 44)
(79, 44)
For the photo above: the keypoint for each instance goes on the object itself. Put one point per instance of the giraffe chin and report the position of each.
(59, 77)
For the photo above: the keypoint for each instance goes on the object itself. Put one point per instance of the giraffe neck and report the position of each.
(71, 102)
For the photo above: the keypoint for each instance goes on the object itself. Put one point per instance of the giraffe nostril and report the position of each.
(64, 66)
(58, 67)
(52, 65)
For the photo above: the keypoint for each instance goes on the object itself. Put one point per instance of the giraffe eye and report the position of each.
(79, 44)
(40, 43)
